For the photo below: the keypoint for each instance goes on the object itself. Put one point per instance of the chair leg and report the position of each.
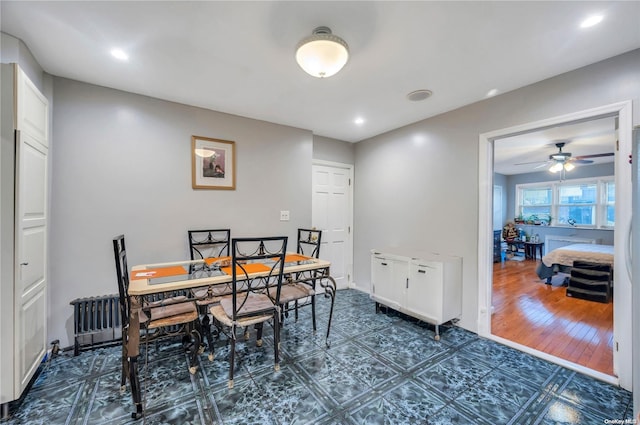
(135, 387)
(259, 328)
(125, 363)
(206, 330)
(232, 355)
(194, 347)
(313, 311)
(276, 341)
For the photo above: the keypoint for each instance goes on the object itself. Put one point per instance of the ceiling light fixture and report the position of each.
(591, 21)
(556, 167)
(119, 54)
(359, 121)
(322, 54)
(560, 165)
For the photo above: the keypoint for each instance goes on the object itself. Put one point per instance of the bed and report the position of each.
(561, 260)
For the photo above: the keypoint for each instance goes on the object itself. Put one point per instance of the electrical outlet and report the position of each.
(284, 215)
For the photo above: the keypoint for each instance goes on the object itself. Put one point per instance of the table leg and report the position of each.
(329, 291)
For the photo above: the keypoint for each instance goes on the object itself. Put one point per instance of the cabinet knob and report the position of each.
(24, 264)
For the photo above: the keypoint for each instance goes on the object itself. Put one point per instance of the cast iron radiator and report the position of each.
(96, 322)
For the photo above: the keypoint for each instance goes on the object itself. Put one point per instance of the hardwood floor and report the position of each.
(540, 316)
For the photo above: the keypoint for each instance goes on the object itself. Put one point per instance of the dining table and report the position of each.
(148, 281)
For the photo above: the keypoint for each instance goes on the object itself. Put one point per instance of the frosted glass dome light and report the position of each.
(322, 54)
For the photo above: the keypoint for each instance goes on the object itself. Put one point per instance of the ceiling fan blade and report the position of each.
(542, 165)
(581, 161)
(532, 162)
(597, 155)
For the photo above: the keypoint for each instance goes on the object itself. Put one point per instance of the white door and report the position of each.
(30, 331)
(332, 213)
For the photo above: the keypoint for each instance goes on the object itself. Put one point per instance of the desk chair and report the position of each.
(211, 245)
(301, 294)
(165, 317)
(250, 302)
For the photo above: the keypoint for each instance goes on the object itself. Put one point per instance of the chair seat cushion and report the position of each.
(174, 313)
(249, 303)
(220, 315)
(175, 319)
(295, 291)
(164, 301)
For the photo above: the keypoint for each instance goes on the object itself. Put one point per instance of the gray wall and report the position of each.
(122, 164)
(417, 186)
(327, 149)
(13, 50)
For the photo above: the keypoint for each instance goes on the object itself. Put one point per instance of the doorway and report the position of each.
(622, 294)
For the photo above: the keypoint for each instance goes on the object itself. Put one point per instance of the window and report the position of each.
(536, 202)
(577, 204)
(610, 203)
(581, 203)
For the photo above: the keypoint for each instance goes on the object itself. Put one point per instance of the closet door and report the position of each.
(30, 326)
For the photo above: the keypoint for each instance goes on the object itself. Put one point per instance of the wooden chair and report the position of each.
(254, 298)
(163, 317)
(211, 245)
(302, 293)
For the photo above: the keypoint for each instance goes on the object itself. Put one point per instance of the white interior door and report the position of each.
(332, 213)
(30, 330)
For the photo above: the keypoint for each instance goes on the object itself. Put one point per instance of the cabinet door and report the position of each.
(424, 291)
(386, 279)
(381, 278)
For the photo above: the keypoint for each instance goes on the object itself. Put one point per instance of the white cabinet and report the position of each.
(426, 286)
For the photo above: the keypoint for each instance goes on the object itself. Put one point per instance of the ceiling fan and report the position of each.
(563, 160)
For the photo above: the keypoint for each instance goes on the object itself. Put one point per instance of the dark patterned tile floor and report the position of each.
(380, 369)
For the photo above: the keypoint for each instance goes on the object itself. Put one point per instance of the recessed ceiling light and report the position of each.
(119, 54)
(418, 95)
(492, 92)
(359, 121)
(591, 21)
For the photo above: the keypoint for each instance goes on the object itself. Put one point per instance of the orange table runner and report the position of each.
(248, 268)
(291, 258)
(212, 260)
(159, 272)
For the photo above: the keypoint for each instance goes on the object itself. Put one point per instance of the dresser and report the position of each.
(426, 286)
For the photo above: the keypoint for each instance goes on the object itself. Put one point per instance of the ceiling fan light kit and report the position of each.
(322, 54)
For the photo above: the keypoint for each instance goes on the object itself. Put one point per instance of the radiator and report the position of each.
(552, 242)
(96, 322)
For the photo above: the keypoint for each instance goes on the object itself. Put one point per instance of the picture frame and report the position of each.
(213, 163)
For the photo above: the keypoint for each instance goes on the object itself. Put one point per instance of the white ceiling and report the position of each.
(529, 152)
(238, 57)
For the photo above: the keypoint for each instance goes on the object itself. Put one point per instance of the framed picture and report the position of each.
(213, 163)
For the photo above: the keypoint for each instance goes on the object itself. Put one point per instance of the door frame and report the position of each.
(349, 168)
(622, 351)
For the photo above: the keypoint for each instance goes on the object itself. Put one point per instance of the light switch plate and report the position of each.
(284, 215)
